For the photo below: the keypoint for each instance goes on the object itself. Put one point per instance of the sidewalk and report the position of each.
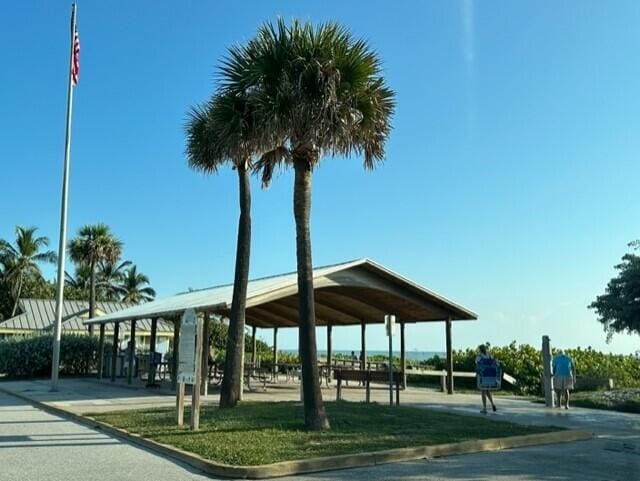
(27, 433)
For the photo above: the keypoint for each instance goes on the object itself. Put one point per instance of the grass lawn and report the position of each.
(268, 432)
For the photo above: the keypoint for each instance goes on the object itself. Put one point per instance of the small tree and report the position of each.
(619, 307)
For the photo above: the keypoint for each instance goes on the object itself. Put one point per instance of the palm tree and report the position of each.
(94, 244)
(22, 259)
(134, 287)
(80, 280)
(220, 133)
(315, 92)
(109, 277)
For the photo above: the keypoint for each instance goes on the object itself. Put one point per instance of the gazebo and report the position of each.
(357, 292)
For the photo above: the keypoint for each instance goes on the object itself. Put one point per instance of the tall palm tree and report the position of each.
(220, 133)
(134, 287)
(316, 91)
(110, 276)
(22, 259)
(94, 244)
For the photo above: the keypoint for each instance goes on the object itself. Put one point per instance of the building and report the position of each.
(37, 316)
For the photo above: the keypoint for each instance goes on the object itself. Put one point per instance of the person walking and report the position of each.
(564, 377)
(483, 359)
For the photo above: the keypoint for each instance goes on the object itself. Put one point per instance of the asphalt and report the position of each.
(36, 446)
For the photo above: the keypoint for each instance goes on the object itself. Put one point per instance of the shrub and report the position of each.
(524, 362)
(31, 356)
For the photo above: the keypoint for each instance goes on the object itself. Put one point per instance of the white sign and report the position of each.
(187, 348)
(390, 323)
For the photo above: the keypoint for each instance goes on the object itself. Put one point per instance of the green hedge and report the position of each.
(31, 356)
(524, 362)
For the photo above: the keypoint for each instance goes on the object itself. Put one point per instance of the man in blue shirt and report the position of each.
(564, 376)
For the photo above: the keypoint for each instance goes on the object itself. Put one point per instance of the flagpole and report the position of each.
(55, 366)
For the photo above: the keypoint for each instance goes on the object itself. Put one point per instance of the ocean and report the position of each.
(413, 355)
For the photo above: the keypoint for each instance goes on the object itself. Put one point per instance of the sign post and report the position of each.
(189, 366)
(390, 324)
(547, 372)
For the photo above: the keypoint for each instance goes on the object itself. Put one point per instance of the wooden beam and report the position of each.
(254, 346)
(352, 307)
(206, 348)
(324, 315)
(194, 423)
(114, 350)
(270, 317)
(151, 377)
(132, 352)
(101, 351)
(329, 353)
(363, 345)
(449, 358)
(175, 359)
(275, 351)
(403, 359)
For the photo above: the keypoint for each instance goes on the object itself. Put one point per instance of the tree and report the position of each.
(134, 287)
(80, 280)
(110, 278)
(22, 259)
(315, 92)
(218, 134)
(92, 245)
(619, 307)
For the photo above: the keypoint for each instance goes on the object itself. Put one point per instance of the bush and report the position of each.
(524, 362)
(31, 356)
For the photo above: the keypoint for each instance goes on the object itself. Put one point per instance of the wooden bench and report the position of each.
(366, 378)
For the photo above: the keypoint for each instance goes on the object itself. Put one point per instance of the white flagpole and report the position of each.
(55, 366)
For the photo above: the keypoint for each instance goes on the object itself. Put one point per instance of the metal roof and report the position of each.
(39, 315)
(347, 293)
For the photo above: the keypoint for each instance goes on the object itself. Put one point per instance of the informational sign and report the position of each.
(390, 324)
(187, 349)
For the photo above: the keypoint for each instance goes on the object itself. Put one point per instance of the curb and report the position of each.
(303, 466)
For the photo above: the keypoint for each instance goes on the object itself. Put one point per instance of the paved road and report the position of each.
(36, 446)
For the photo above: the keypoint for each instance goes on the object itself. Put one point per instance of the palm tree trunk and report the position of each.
(230, 390)
(18, 293)
(92, 294)
(314, 413)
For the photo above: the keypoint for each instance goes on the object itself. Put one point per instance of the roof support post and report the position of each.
(275, 352)
(403, 358)
(151, 377)
(254, 346)
(329, 353)
(363, 346)
(449, 358)
(132, 352)
(206, 349)
(101, 351)
(176, 354)
(114, 350)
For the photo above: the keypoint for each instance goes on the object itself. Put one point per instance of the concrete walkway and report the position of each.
(613, 455)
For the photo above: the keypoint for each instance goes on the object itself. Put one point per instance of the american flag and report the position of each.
(75, 63)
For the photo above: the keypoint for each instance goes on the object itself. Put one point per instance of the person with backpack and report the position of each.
(484, 360)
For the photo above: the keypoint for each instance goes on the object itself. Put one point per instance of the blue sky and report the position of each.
(511, 177)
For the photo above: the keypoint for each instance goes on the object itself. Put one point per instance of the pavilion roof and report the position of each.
(348, 293)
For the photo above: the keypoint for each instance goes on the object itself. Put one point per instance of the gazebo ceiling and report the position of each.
(345, 294)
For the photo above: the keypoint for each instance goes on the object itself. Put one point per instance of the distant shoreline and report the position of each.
(413, 355)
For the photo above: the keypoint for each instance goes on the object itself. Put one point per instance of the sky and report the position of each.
(509, 186)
